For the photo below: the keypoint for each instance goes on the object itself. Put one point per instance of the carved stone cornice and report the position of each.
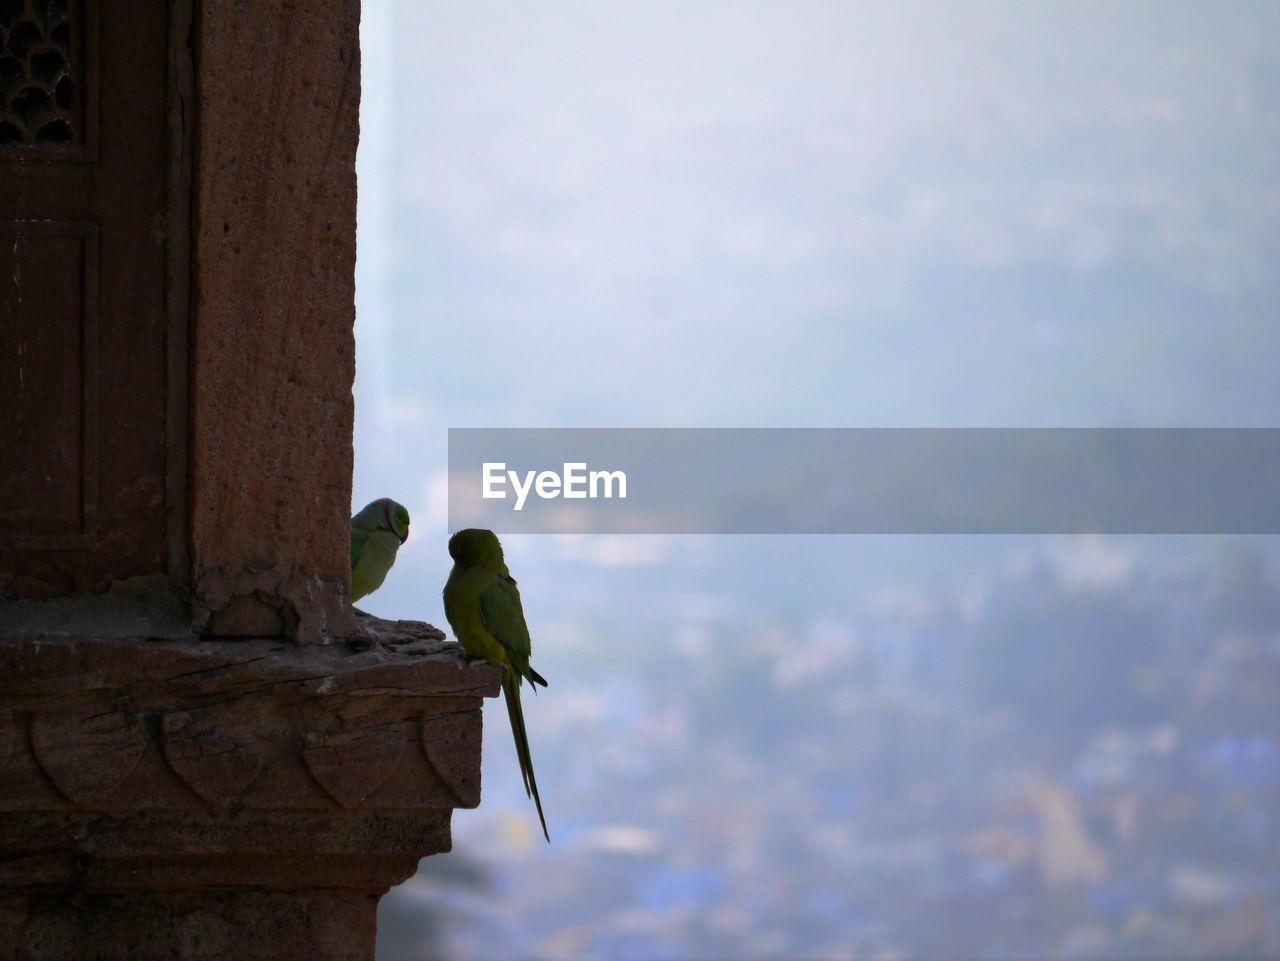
(152, 766)
(118, 725)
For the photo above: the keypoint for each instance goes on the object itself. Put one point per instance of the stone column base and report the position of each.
(225, 800)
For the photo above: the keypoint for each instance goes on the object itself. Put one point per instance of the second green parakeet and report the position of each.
(482, 603)
(377, 532)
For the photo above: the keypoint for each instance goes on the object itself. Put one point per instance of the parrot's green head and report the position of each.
(389, 516)
(476, 548)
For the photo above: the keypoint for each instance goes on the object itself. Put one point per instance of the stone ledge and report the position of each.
(115, 725)
(161, 798)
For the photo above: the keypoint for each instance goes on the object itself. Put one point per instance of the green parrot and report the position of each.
(376, 534)
(482, 603)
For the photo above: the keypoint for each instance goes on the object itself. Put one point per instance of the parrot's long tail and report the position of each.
(511, 688)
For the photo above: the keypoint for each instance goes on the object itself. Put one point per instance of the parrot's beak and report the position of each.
(405, 538)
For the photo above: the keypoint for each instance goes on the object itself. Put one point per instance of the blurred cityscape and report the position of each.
(1078, 757)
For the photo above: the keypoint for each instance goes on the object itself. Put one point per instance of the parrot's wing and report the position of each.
(504, 617)
(359, 535)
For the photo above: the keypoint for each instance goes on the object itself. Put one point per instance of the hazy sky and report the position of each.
(826, 212)
(848, 214)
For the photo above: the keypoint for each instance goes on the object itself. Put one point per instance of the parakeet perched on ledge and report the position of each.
(482, 604)
(376, 534)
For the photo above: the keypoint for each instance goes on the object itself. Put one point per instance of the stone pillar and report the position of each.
(204, 752)
(276, 122)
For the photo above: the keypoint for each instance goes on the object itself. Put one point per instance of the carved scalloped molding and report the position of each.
(445, 739)
(98, 757)
(87, 752)
(261, 725)
(216, 760)
(351, 765)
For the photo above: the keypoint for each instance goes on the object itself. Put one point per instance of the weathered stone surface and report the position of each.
(150, 606)
(273, 353)
(159, 798)
(209, 926)
(6, 737)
